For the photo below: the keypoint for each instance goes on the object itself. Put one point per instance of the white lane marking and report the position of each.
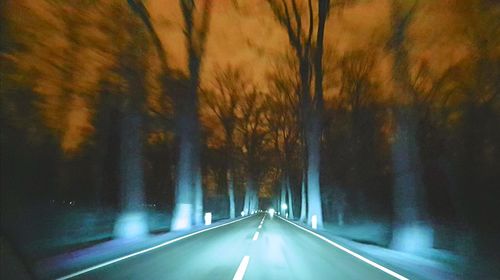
(260, 226)
(242, 268)
(358, 256)
(144, 251)
(255, 236)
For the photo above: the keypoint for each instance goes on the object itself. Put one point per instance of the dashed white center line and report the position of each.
(260, 225)
(255, 236)
(242, 268)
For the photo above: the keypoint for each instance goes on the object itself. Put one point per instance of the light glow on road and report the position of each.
(242, 268)
(260, 226)
(146, 250)
(271, 212)
(255, 236)
(358, 256)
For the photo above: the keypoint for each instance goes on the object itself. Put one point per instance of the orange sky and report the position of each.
(246, 35)
(249, 36)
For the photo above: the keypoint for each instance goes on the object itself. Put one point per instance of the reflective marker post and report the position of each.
(314, 222)
(208, 218)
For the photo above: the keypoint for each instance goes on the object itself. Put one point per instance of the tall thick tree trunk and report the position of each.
(305, 100)
(187, 168)
(246, 202)
(255, 201)
(314, 207)
(251, 199)
(315, 123)
(197, 180)
(132, 220)
(229, 172)
(198, 198)
(107, 124)
(230, 192)
(303, 199)
(290, 198)
(189, 197)
(282, 196)
(411, 230)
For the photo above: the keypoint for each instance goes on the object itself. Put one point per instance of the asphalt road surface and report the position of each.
(279, 250)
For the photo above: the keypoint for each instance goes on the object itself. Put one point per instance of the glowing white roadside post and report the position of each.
(208, 218)
(314, 222)
(283, 209)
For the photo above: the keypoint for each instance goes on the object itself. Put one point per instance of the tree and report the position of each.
(281, 119)
(357, 93)
(225, 101)
(189, 208)
(184, 91)
(253, 136)
(310, 57)
(130, 65)
(411, 229)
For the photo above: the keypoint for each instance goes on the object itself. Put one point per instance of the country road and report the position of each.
(259, 247)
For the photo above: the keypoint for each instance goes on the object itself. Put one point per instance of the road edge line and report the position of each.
(356, 255)
(83, 271)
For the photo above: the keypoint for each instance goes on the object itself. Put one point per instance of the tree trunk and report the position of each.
(290, 199)
(411, 231)
(313, 172)
(281, 210)
(194, 66)
(230, 174)
(132, 222)
(255, 200)
(314, 128)
(246, 203)
(251, 199)
(187, 168)
(198, 197)
(303, 203)
(230, 191)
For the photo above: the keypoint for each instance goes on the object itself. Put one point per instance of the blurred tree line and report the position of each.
(94, 116)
